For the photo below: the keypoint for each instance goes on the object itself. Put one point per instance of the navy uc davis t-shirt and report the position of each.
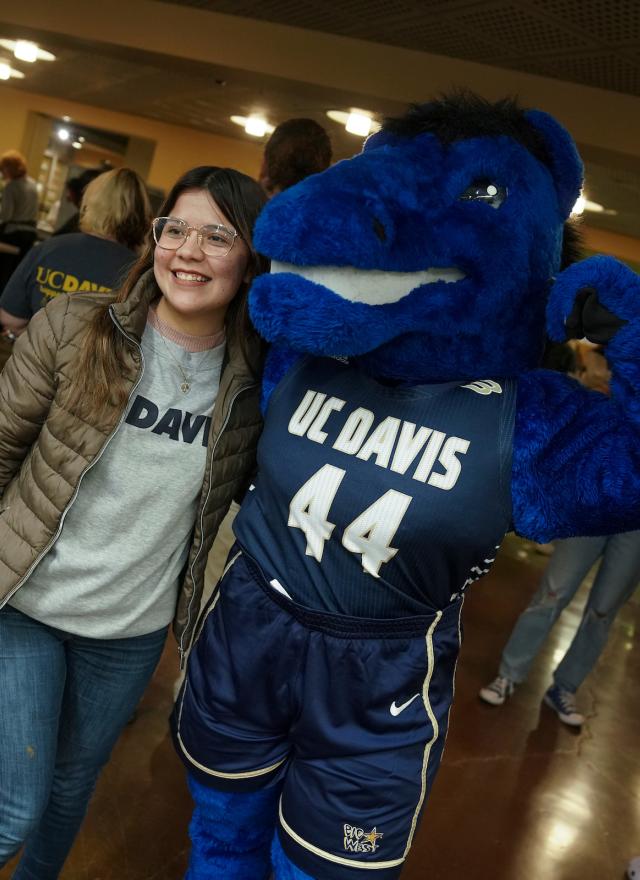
(378, 501)
(75, 263)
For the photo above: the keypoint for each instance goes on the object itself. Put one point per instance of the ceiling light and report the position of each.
(578, 208)
(6, 72)
(584, 204)
(76, 145)
(256, 126)
(63, 134)
(25, 50)
(358, 122)
(253, 125)
(599, 209)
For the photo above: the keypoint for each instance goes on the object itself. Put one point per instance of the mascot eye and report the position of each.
(491, 194)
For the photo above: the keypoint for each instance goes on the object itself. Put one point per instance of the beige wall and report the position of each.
(177, 149)
(601, 241)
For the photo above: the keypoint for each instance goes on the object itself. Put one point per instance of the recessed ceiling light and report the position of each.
(25, 50)
(358, 122)
(63, 134)
(584, 204)
(578, 208)
(76, 145)
(254, 125)
(7, 72)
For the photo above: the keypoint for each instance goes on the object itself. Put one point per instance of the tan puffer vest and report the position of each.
(46, 448)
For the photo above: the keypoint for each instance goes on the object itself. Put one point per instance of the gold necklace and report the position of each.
(185, 385)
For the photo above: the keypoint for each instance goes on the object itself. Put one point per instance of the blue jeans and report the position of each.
(614, 584)
(63, 701)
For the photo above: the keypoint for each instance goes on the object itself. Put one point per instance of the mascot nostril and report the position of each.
(378, 228)
(407, 429)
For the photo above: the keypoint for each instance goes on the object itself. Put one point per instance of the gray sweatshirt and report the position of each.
(114, 570)
(19, 206)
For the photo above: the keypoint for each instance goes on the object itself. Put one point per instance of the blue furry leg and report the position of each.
(283, 868)
(231, 833)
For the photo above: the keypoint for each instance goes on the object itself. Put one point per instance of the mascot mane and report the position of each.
(463, 114)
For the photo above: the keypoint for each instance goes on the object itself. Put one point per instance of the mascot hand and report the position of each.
(593, 298)
(600, 298)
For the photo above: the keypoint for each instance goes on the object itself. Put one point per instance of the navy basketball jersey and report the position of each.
(377, 501)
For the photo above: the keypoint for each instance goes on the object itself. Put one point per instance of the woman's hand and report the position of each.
(11, 325)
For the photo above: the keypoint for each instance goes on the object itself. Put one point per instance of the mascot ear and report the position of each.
(382, 138)
(566, 165)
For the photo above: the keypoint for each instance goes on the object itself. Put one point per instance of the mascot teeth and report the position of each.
(371, 286)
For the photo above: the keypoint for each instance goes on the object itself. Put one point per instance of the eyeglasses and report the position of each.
(170, 233)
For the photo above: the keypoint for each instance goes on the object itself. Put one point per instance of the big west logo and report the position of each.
(360, 841)
(53, 281)
(177, 425)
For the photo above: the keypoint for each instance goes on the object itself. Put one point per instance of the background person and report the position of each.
(136, 437)
(19, 206)
(614, 584)
(73, 193)
(296, 149)
(18, 211)
(114, 220)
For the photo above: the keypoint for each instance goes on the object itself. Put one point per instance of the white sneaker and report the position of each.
(497, 692)
(563, 704)
(633, 870)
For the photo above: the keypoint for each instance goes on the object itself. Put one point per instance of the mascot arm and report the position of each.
(280, 360)
(576, 457)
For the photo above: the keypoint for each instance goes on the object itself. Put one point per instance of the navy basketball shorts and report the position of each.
(347, 716)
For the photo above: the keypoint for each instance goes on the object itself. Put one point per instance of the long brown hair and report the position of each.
(99, 381)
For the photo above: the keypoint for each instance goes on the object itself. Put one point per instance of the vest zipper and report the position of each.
(182, 651)
(55, 537)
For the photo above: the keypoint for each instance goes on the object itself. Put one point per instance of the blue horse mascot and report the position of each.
(407, 429)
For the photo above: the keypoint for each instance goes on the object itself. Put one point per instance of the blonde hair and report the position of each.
(13, 163)
(115, 204)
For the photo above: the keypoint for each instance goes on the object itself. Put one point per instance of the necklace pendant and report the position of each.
(185, 387)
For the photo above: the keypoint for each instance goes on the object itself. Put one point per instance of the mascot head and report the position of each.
(427, 257)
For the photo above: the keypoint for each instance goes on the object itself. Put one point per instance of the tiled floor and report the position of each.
(519, 796)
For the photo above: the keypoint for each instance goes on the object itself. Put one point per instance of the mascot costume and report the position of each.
(407, 429)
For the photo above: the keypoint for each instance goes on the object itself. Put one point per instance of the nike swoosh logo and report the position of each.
(396, 710)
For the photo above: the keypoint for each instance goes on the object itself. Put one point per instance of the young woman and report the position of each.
(128, 423)
(114, 222)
